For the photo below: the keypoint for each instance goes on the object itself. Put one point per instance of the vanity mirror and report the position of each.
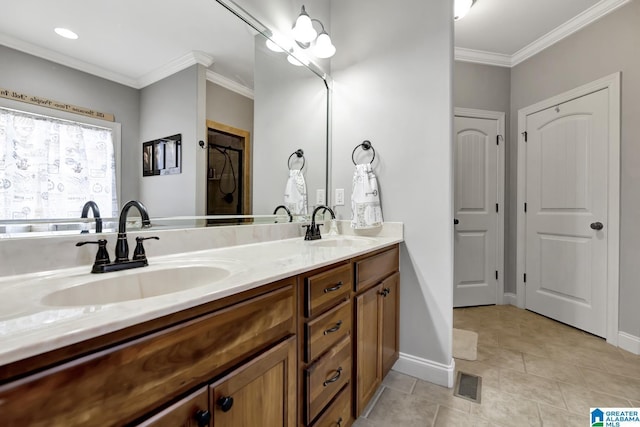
(174, 69)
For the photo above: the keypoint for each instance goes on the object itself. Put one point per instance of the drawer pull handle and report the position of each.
(334, 379)
(334, 329)
(333, 288)
(225, 403)
(339, 422)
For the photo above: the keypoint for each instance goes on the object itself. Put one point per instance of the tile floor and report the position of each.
(535, 372)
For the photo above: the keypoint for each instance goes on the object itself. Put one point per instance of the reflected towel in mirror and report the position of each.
(295, 193)
(365, 199)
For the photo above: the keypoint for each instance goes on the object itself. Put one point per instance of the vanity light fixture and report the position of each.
(66, 33)
(306, 36)
(298, 60)
(461, 8)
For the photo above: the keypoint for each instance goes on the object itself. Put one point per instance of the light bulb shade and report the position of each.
(323, 47)
(303, 30)
(298, 60)
(461, 7)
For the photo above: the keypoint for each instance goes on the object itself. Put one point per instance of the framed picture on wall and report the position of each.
(162, 156)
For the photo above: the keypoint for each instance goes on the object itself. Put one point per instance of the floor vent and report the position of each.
(468, 387)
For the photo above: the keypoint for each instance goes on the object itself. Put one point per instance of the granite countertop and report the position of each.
(30, 326)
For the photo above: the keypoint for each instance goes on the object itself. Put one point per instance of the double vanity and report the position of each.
(265, 329)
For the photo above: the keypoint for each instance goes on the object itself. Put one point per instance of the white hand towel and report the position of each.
(365, 199)
(295, 193)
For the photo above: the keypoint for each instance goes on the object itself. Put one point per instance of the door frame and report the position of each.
(246, 166)
(499, 116)
(612, 83)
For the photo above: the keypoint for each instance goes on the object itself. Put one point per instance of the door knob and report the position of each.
(597, 225)
(456, 221)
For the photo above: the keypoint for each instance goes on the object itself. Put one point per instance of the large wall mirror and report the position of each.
(197, 69)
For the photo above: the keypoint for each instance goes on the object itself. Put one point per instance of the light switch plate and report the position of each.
(320, 199)
(339, 196)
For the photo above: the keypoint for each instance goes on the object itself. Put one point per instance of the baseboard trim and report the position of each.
(629, 342)
(509, 298)
(427, 370)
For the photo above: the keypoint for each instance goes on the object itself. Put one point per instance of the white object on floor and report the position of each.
(365, 199)
(295, 193)
(465, 344)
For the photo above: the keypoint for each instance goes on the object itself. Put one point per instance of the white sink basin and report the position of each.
(342, 242)
(136, 284)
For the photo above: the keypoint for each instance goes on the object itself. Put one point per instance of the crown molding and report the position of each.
(65, 60)
(595, 12)
(178, 64)
(229, 84)
(482, 57)
(576, 23)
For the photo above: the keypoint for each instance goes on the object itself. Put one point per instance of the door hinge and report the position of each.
(496, 274)
(525, 207)
(525, 277)
(525, 134)
(497, 208)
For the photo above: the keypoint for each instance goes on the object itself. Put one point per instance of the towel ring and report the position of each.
(366, 145)
(299, 153)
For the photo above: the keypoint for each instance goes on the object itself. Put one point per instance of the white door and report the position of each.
(475, 155)
(566, 212)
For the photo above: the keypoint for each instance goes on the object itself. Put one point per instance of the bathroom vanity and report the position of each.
(301, 339)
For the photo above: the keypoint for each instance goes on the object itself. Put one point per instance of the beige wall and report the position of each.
(230, 108)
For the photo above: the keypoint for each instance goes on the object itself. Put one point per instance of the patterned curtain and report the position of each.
(49, 168)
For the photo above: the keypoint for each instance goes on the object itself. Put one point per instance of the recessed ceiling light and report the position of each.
(66, 33)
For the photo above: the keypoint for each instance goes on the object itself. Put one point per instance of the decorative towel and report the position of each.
(295, 193)
(365, 199)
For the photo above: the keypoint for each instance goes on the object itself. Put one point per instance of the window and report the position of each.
(50, 167)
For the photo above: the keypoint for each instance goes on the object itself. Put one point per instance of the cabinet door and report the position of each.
(368, 346)
(259, 393)
(192, 411)
(390, 322)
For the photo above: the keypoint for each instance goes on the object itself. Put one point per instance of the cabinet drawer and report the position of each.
(120, 384)
(338, 413)
(326, 377)
(326, 330)
(185, 413)
(371, 270)
(326, 288)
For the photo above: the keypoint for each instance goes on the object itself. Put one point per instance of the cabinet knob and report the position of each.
(225, 403)
(385, 292)
(202, 418)
(339, 422)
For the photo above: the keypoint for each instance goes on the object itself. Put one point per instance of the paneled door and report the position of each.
(476, 207)
(566, 212)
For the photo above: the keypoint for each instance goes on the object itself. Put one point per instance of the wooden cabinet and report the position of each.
(191, 411)
(123, 383)
(259, 393)
(376, 323)
(307, 351)
(325, 364)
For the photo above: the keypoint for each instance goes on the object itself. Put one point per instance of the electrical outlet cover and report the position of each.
(320, 200)
(339, 196)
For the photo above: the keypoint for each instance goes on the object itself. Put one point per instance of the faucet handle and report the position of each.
(102, 256)
(138, 252)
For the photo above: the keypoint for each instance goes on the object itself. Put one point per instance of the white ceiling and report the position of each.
(137, 42)
(506, 32)
(134, 42)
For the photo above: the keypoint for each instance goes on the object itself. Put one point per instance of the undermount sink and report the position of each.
(342, 242)
(136, 284)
